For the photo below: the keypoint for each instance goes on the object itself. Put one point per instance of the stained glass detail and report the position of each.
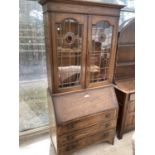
(99, 56)
(69, 52)
(69, 37)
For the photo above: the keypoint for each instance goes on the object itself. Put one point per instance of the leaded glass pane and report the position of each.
(99, 56)
(69, 51)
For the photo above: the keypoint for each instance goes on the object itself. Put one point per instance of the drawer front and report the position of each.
(76, 135)
(129, 128)
(131, 106)
(101, 136)
(130, 119)
(132, 97)
(87, 121)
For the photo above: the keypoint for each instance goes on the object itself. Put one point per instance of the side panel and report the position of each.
(52, 121)
(48, 44)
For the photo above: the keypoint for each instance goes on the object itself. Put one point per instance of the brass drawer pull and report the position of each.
(70, 137)
(107, 115)
(105, 135)
(70, 125)
(107, 125)
(70, 147)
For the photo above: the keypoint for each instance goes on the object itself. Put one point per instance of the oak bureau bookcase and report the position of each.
(125, 77)
(81, 41)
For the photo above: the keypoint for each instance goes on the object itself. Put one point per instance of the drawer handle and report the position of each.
(106, 135)
(70, 125)
(70, 147)
(107, 115)
(70, 137)
(107, 125)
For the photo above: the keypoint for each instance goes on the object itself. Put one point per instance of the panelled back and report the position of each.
(125, 62)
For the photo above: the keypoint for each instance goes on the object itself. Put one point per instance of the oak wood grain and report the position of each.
(76, 105)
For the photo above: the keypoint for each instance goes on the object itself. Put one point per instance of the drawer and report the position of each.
(131, 106)
(130, 119)
(85, 122)
(129, 128)
(132, 97)
(76, 135)
(99, 137)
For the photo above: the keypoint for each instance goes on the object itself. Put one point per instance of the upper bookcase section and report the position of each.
(81, 6)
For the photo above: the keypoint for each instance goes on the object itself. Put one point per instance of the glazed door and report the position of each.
(102, 33)
(69, 51)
